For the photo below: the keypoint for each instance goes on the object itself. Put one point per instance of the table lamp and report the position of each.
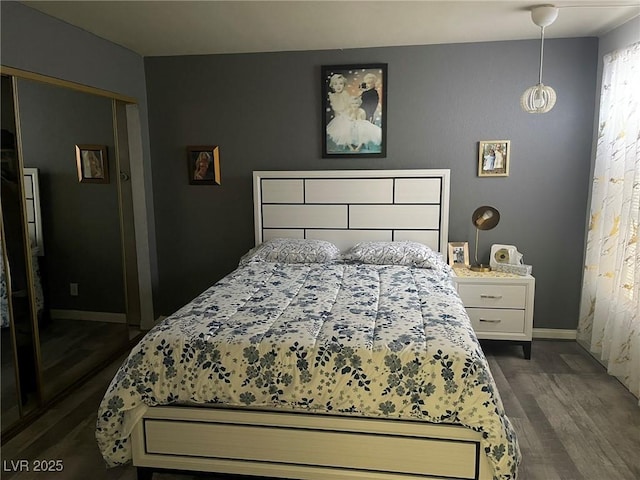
(483, 218)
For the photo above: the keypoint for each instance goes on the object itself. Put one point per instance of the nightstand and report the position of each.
(499, 304)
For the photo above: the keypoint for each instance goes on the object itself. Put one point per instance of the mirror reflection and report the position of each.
(18, 373)
(80, 263)
(65, 309)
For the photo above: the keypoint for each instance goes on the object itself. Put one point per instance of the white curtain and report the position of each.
(609, 323)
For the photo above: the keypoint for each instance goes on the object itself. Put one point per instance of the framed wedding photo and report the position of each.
(92, 164)
(354, 111)
(459, 254)
(493, 158)
(203, 164)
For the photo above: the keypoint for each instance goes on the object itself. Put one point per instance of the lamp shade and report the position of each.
(538, 99)
(483, 218)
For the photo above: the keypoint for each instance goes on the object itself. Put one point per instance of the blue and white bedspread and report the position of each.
(368, 340)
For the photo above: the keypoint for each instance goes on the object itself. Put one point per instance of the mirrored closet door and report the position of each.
(83, 302)
(19, 374)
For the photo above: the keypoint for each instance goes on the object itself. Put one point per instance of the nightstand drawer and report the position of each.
(496, 320)
(492, 295)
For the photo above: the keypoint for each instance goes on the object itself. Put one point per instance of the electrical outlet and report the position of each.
(73, 289)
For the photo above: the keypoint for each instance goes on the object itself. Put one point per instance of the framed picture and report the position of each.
(459, 254)
(354, 111)
(92, 163)
(493, 158)
(204, 165)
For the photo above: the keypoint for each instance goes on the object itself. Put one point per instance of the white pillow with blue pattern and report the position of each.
(411, 254)
(292, 250)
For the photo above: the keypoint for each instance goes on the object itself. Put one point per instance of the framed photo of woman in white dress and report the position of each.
(354, 113)
(493, 158)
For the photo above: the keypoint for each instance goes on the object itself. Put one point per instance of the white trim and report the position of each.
(275, 443)
(555, 333)
(108, 317)
(141, 220)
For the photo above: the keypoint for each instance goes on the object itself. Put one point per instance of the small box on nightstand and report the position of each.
(499, 304)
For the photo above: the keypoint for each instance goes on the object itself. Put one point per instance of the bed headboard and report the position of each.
(350, 206)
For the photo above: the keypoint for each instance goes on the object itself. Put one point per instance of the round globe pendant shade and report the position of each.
(538, 99)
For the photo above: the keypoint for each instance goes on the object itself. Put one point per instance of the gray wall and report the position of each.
(263, 110)
(33, 41)
(80, 221)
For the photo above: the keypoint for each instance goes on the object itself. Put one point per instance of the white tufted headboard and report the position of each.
(350, 206)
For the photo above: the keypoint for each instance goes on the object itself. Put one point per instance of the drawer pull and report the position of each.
(490, 321)
(484, 295)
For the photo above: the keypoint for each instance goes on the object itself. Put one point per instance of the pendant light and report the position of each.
(540, 98)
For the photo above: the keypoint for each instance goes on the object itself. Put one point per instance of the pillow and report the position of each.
(292, 250)
(412, 254)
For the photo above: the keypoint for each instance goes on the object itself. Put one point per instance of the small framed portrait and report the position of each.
(354, 111)
(459, 254)
(204, 165)
(92, 163)
(493, 158)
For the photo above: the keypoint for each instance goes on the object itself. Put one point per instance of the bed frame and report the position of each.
(349, 206)
(344, 207)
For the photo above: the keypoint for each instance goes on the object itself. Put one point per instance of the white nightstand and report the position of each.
(499, 304)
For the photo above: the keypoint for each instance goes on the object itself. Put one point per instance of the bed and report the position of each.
(338, 348)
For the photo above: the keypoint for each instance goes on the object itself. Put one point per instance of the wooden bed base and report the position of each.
(304, 446)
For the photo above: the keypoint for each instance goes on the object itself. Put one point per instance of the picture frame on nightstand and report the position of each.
(458, 254)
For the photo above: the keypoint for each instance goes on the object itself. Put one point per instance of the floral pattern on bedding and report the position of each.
(373, 340)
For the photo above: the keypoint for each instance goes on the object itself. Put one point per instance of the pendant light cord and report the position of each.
(541, 52)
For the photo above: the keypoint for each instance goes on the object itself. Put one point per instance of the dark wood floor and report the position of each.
(69, 349)
(574, 421)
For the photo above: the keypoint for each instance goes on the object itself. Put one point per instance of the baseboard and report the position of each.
(108, 317)
(554, 333)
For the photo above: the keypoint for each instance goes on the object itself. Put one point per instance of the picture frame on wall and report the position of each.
(354, 111)
(92, 163)
(458, 254)
(494, 158)
(203, 164)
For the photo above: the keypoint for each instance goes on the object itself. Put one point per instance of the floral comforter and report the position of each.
(368, 340)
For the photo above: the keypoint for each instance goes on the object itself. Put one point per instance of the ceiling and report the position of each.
(160, 28)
